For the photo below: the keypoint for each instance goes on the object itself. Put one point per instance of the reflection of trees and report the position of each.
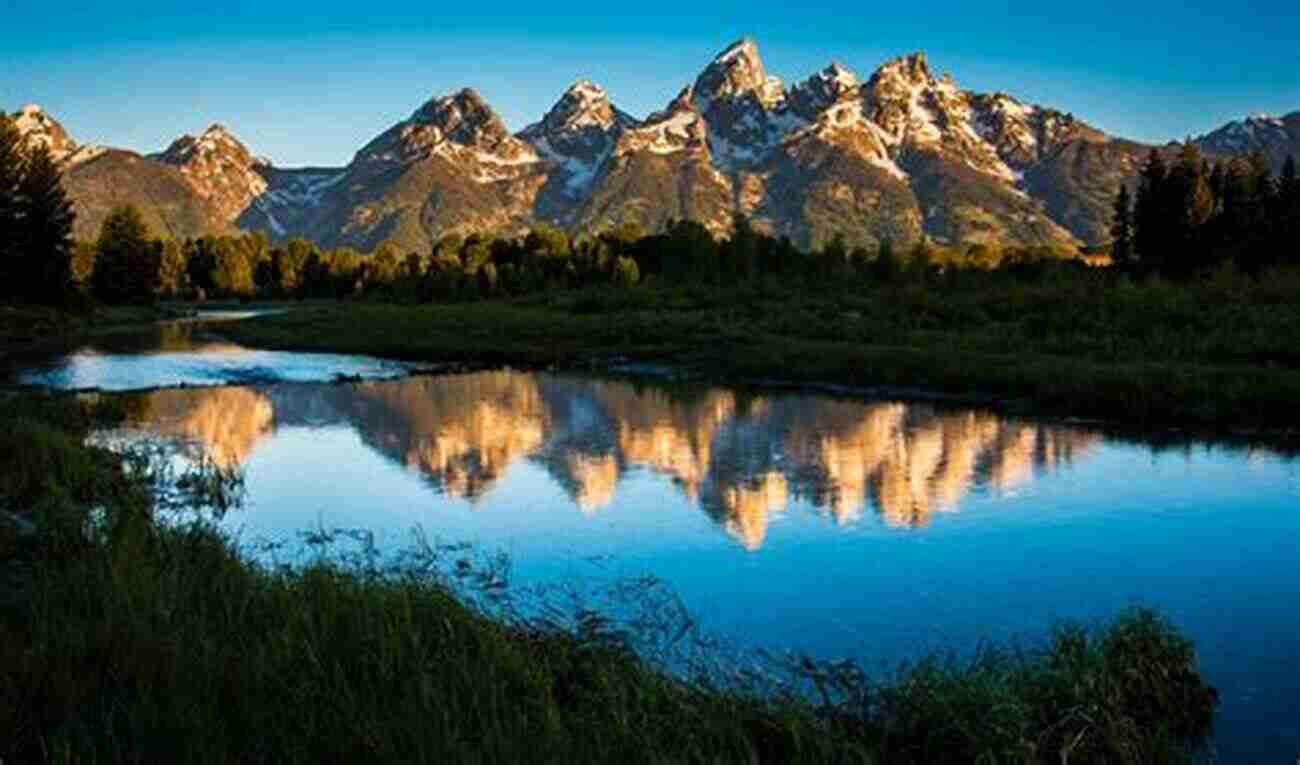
(741, 459)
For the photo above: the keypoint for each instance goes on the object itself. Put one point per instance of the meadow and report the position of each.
(1221, 354)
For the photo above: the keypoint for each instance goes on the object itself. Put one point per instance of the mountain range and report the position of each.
(901, 155)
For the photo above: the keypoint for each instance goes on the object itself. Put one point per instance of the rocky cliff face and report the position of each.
(220, 168)
(900, 155)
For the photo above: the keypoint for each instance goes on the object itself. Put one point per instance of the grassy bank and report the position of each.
(1223, 353)
(123, 639)
(24, 326)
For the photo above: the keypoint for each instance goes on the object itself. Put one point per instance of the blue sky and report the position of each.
(309, 83)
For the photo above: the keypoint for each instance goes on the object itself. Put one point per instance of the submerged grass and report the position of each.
(1218, 354)
(139, 639)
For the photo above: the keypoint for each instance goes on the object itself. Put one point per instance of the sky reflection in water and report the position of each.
(876, 530)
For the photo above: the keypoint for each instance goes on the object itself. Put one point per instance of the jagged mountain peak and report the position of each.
(913, 67)
(1276, 137)
(743, 52)
(219, 167)
(460, 129)
(902, 153)
(459, 114)
(218, 131)
(583, 107)
(839, 74)
(823, 89)
(39, 129)
(578, 133)
(735, 73)
(216, 143)
(586, 89)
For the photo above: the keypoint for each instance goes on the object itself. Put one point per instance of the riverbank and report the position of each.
(127, 635)
(23, 327)
(1204, 357)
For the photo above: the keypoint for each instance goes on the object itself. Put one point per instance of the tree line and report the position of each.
(127, 265)
(1186, 217)
(1190, 216)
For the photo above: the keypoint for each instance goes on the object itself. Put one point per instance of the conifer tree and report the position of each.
(1286, 237)
(12, 160)
(127, 264)
(1121, 230)
(44, 260)
(1150, 213)
(1191, 205)
(1288, 185)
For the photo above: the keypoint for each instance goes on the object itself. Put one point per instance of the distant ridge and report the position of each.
(900, 155)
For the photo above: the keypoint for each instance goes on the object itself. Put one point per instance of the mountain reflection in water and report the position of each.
(741, 458)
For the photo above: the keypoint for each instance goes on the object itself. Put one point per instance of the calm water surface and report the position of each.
(841, 528)
(182, 353)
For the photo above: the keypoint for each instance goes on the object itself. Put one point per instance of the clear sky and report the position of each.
(309, 83)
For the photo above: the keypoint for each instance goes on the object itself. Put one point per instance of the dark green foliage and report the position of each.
(46, 243)
(1053, 335)
(35, 222)
(128, 263)
(1127, 693)
(12, 160)
(1193, 218)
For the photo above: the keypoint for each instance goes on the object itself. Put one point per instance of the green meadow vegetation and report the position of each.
(133, 630)
(1050, 337)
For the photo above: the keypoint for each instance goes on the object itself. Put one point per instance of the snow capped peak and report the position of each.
(735, 73)
(216, 143)
(583, 105)
(823, 90)
(745, 47)
(586, 90)
(464, 103)
(39, 129)
(913, 68)
(1258, 131)
(578, 133)
(460, 129)
(839, 74)
(217, 130)
(462, 117)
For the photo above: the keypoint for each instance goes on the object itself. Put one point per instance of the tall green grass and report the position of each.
(1070, 341)
(142, 639)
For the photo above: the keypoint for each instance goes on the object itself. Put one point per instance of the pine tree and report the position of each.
(1121, 230)
(12, 161)
(1288, 185)
(127, 264)
(1151, 213)
(1191, 207)
(1258, 249)
(44, 262)
(1286, 219)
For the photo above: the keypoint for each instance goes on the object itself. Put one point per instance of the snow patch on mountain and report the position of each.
(40, 130)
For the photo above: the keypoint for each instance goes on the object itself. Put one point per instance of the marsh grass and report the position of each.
(23, 326)
(1220, 353)
(159, 640)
